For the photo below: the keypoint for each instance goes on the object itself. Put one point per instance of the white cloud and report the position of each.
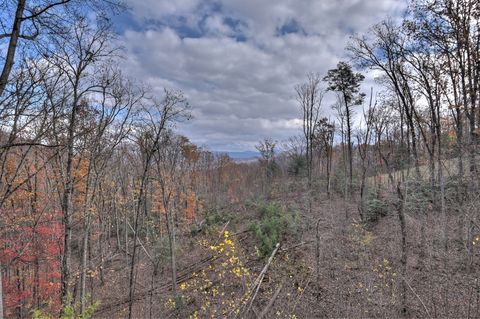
(215, 26)
(154, 9)
(239, 66)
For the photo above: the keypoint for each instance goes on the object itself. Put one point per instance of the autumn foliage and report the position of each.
(32, 253)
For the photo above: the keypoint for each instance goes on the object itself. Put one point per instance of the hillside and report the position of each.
(239, 159)
(326, 266)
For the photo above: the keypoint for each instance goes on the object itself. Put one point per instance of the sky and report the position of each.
(238, 61)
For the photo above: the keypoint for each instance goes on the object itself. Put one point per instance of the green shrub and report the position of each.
(419, 196)
(213, 219)
(297, 165)
(375, 206)
(338, 180)
(272, 169)
(161, 250)
(273, 224)
(216, 217)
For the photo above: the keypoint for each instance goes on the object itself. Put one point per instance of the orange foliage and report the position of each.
(80, 171)
(191, 205)
(190, 152)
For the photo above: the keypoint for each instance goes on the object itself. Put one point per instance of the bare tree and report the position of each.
(75, 56)
(34, 18)
(382, 126)
(117, 99)
(155, 120)
(364, 138)
(324, 135)
(267, 159)
(381, 50)
(309, 96)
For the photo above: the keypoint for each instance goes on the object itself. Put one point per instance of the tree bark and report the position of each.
(1, 292)
(67, 203)
(12, 45)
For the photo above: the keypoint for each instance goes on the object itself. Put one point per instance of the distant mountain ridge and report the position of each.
(241, 155)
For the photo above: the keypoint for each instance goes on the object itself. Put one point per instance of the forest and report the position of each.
(108, 211)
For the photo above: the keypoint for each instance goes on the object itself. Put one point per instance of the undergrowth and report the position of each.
(274, 223)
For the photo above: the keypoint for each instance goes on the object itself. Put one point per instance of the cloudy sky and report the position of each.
(238, 61)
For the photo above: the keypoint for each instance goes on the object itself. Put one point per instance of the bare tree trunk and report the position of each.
(317, 253)
(12, 45)
(117, 223)
(173, 261)
(1, 292)
(329, 166)
(400, 207)
(403, 259)
(125, 231)
(443, 212)
(403, 232)
(84, 264)
(345, 190)
(349, 146)
(131, 287)
(152, 281)
(67, 205)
